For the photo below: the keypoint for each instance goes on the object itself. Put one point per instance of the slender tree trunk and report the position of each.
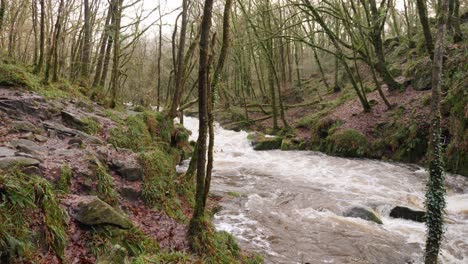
(85, 58)
(115, 78)
(422, 11)
(52, 56)
(435, 194)
(2, 13)
(197, 221)
(42, 38)
(110, 44)
(102, 48)
(179, 73)
(158, 102)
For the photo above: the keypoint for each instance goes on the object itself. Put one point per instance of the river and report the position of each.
(288, 205)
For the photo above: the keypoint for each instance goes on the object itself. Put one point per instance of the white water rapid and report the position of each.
(291, 205)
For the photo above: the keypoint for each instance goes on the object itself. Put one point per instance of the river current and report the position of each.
(288, 205)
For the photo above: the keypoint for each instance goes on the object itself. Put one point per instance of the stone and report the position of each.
(117, 255)
(90, 210)
(9, 162)
(130, 193)
(408, 214)
(63, 130)
(71, 119)
(265, 142)
(24, 126)
(129, 168)
(363, 213)
(32, 170)
(6, 152)
(28, 146)
(40, 138)
(75, 141)
(422, 76)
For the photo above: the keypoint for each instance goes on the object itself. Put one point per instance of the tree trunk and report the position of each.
(2, 13)
(158, 102)
(85, 58)
(422, 11)
(102, 48)
(115, 78)
(179, 73)
(197, 222)
(435, 194)
(40, 63)
(52, 56)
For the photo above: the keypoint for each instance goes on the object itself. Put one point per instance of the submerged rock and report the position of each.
(363, 213)
(408, 214)
(90, 210)
(10, 162)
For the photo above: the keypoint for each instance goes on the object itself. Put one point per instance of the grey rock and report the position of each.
(6, 152)
(129, 169)
(28, 146)
(63, 130)
(363, 213)
(9, 162)
(32, 170)
(40, 138)
(90, 210)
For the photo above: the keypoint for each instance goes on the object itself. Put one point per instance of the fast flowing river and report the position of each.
(288, 206)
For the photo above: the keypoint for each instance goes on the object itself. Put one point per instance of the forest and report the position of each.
(233, 131)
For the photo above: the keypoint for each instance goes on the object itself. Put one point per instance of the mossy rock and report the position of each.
(90, 210)
(265, 142)
(117, 255)
(292, 144)
(347, 143)
(422, 75)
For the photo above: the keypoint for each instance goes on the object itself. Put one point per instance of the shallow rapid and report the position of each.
(288, 206)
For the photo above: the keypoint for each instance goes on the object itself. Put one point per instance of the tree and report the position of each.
(422, 11)
(198, 222)
(115, 78)
(2, 13)
(102, 48)
(435, 193)
(179, 70)
(41, 38)
(52, 58)
(85, 57)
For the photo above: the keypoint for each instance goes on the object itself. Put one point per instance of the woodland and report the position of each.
(94, 93)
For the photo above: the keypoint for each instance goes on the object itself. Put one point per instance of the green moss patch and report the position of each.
(347, 143)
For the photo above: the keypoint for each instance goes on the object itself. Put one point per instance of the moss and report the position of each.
(64, 182)
(142, 131)
(159, 183)
(263, 142)
(104, 183)
(13, 75)
(102, 239)
(165, 257)
(90, 125)
(235, 194)
(347, 143)
(22, 196)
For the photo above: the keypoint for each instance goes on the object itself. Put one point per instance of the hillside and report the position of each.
(81, 183)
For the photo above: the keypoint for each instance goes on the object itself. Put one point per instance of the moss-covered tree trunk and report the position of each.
(435, 193)
(2, 13)
(51, 63)
(115, 78)
(197, 222)
(102, 48)
(422, 11)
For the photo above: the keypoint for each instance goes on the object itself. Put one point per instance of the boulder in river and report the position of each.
(90, 210)
(408, 214)
(363, 213)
